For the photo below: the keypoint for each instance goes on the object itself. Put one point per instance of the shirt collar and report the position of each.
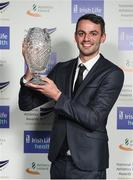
(90, 63)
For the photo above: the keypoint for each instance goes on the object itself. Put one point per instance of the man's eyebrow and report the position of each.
(86, 32)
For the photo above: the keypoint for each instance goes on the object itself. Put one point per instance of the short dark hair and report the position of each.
(95, 19)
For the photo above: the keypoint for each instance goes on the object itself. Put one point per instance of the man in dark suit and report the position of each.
(79, 140)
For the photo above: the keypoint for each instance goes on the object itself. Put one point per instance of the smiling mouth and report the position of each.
(86, 45)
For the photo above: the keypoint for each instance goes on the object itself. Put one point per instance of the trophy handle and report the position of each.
(50, 31)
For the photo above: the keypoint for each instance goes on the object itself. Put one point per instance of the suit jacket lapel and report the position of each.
(96, 69)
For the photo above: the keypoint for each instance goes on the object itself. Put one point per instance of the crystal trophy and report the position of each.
(37, 49)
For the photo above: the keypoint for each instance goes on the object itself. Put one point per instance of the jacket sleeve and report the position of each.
(95, 113)
(30, 99)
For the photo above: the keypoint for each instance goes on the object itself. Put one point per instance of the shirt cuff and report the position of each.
(24, 80)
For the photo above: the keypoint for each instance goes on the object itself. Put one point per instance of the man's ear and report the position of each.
(75, 37)
(103, 38)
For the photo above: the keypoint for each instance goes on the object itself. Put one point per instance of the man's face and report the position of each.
(88, 38)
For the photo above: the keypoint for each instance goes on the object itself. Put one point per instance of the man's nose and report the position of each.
(87, 37)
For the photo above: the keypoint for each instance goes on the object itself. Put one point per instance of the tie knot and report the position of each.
(81, 68)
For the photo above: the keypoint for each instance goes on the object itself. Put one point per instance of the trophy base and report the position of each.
(37, 80)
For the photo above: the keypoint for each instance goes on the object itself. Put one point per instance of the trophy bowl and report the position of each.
(37, 49)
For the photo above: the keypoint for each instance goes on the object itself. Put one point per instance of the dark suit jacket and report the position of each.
(82, 118)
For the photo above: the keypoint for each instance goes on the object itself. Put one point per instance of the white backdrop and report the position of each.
(25, 136)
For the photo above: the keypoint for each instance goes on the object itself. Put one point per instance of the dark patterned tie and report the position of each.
(79, 78)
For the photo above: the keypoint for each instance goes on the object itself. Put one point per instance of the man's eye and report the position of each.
(80, 34)
(94, 34)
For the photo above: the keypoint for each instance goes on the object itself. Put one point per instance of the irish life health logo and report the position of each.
(125, 38)
(4, 116)
(124, 117)
(36, 141)
(4, 37)
(86, 6)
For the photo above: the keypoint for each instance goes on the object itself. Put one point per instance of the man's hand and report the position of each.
(49, 88)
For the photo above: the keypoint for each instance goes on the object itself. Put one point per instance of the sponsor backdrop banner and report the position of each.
(25, 136)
